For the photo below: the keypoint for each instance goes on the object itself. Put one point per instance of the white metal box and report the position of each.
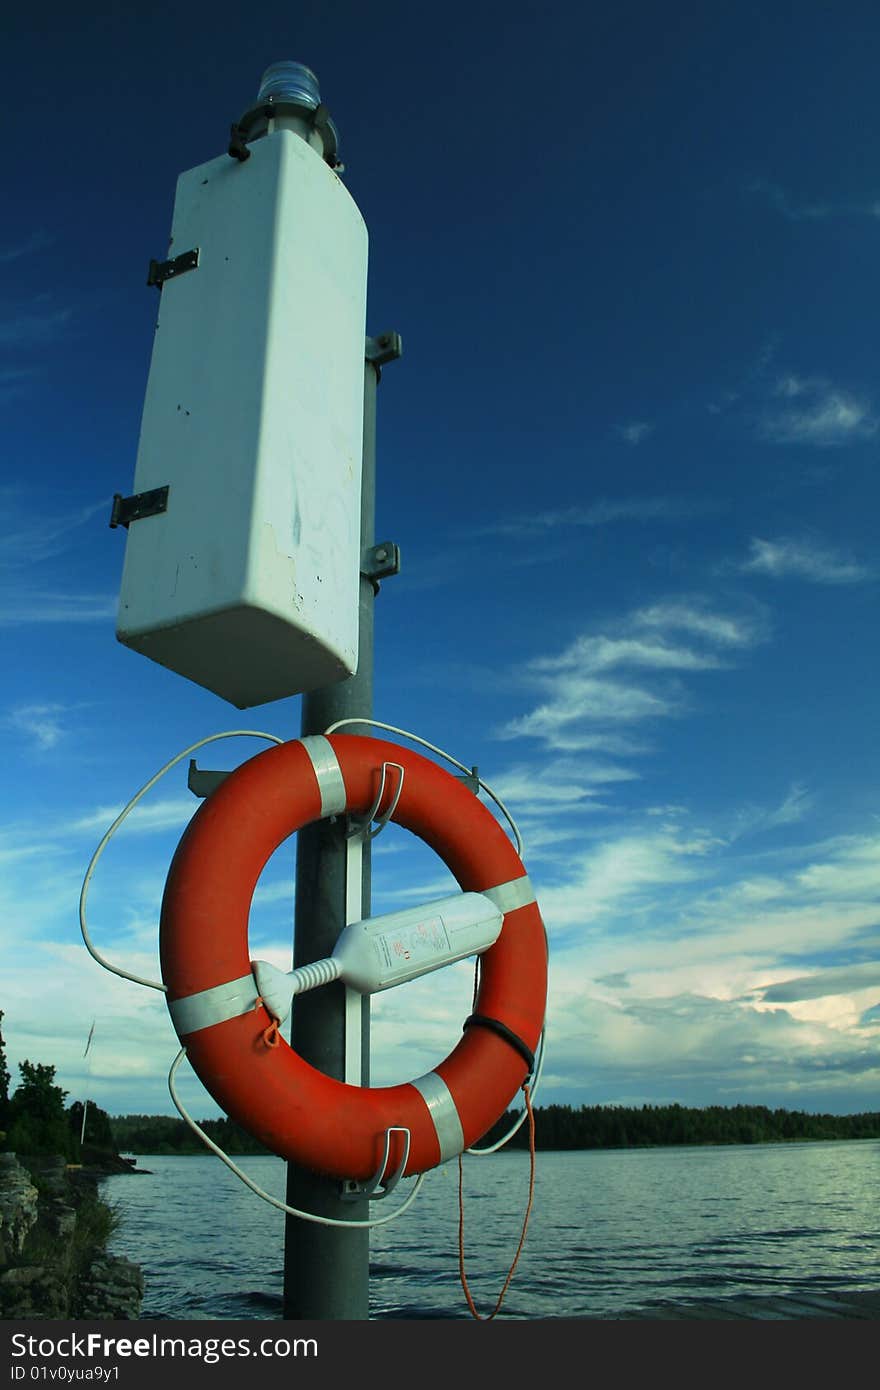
(248, 582)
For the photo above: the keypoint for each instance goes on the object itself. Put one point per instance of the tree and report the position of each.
(98, 1138)
(4, 1083)
(37, 1120)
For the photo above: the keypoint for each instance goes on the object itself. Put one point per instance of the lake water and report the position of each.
(611, 1231)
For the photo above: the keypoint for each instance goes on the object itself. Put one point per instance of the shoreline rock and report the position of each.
(53, 1263)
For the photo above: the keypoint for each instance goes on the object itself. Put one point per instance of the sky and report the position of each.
(629, 455)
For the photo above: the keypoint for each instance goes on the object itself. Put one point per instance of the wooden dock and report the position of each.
(861, 1305)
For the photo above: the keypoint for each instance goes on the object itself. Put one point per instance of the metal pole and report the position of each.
(326, 1268)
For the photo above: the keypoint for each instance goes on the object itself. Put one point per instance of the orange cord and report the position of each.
(270, 1034)
(464, 1282)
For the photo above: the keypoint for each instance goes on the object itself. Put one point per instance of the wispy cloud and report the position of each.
(813, 411)
(33, 532)
(35, 241)
(43, 723)
(33, 327)
(578, 701)
(634, 431)
(784, 407)
(810, 210)
(587, 695)
(625, 869)
(21, 607)
(794, 807)
(598, 654)
(787, 558)
(559, 785)
(440, 887)
(147, 817)
(753, 820)
(603, 512)
(13, 380)
(698, 619)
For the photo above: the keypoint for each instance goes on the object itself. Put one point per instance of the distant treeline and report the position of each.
(625, 1127)
(162, 1134)
(556, 1127)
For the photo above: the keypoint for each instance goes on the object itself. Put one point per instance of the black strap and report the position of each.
(507, 1034)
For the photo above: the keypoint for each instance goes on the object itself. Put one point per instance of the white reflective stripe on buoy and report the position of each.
(328, 773)
(507, 897)
(214, 1005)
(442, 1109)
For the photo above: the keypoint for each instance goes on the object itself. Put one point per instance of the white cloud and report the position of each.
(146, 816)
(725, 629)
(621, 870)
(13, 379)
(635, 431)
(605, 653)
(558, 783)
(33, 327)
(797, 804)
(20, 607)
(43, 723)
(789, 408)
(34, 532)
(267, 895)
(851, 867)
(440, 887)
(603, 512)
(804, 210)
(583, 707)
(657, 976)
(710, 1050)
(751, 820)
(579, 701)
(33, 242)
(816, 413)
(801, 559)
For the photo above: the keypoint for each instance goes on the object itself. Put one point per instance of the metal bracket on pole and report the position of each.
(375, 1188)
(382, 350)
(379, 562)
(238, 144)
(201, 781)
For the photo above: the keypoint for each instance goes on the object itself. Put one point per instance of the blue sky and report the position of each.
(630, 458)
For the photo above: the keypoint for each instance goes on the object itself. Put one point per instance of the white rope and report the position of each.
(83, 897)
(267, 1196)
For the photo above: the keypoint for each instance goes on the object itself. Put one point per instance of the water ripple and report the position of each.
(609, 1232)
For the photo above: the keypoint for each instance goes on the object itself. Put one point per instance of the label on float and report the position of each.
(379, 952)
(400, 951)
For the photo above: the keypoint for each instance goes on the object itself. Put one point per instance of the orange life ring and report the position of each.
(295, 1110)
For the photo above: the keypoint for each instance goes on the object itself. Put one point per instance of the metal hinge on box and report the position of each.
(128, 509)
(160, 271)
